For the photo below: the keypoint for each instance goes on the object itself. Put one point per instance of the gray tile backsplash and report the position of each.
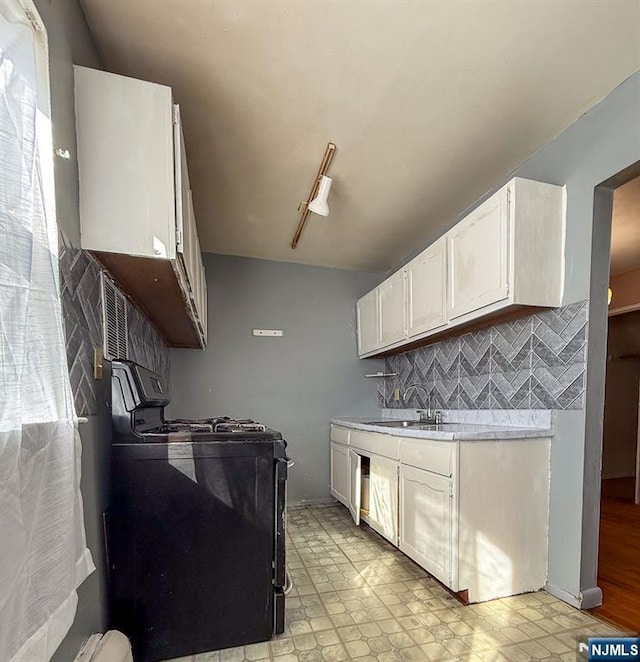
(535, 362)
(82, 313)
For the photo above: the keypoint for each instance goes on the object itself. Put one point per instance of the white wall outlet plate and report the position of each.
(271, 333)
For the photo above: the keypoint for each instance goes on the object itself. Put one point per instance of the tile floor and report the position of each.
(356, 597)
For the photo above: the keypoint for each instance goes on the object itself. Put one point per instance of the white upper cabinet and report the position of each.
(368, 314)
(393, 305)
(136, 211)
(507, 253)
(125, 148)
(427, 289)
(478, 256)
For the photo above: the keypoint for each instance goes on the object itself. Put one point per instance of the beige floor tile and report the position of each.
(435, 651)
(421, 636)
(554, 645)
(370, 630)
(389, 625)
(304, 642)
(350, 633)
(327, 637)
(335, 653)
(456, 646)
(281, 646)
(389, 656)
(232, 654)
(535, 650)
(342, 620)
(213, 656)
(257, 652)
(400, 640)
(412, 654)
(357, 648)
(356, 597)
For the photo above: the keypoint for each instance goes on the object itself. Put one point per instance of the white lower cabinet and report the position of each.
(383, 497)
(473, 514)
(340, 472)
(374, 481)
(427, 521)
(355, 485)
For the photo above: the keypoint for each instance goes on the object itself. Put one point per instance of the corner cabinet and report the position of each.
(478, 256)
(505, 255)
(508, 252)
(136, 208)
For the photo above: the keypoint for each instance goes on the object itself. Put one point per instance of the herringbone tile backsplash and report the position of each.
(82, 313)
(536, 362)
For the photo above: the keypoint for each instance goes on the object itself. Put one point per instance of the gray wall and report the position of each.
(600, 144)
(70, 42)
(621, 397)
(294, 384)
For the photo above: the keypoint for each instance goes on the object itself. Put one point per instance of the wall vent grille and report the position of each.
(114, 320)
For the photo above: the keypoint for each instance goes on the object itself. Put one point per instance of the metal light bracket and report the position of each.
(303, 207)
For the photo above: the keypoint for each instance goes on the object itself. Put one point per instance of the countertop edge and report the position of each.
(492, 435)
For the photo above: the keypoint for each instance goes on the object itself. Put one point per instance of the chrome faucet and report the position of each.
(428, 416)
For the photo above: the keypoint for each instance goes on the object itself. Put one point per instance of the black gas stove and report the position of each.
(139, 398)
(196, 525)
(221, 428)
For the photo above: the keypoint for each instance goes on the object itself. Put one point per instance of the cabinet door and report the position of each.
(479, 257)
(340, 473)
(426, 521)
(126, 164)
(383, 497)
(355, 485)
(203, 302)
(186, 233)
(393, 320)
(427, 289)
(368, 313)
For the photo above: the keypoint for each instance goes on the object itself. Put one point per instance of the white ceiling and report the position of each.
(430, 104)
(625, 229)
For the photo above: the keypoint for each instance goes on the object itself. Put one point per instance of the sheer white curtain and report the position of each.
(43, 554)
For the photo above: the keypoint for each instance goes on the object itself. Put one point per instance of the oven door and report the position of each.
(279, 566)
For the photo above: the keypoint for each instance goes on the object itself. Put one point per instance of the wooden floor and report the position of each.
(619, 561)
(620, 489)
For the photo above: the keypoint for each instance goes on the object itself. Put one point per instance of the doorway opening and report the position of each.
(619, 542)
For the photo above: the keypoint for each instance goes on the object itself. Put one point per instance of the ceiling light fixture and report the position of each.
(319, 204)
(317, 200)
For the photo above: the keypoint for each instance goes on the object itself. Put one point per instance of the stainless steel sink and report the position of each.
(420, 425)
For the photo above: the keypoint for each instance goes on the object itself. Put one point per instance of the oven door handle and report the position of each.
(279, 564)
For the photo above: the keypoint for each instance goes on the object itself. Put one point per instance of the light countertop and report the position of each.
(449, 431)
